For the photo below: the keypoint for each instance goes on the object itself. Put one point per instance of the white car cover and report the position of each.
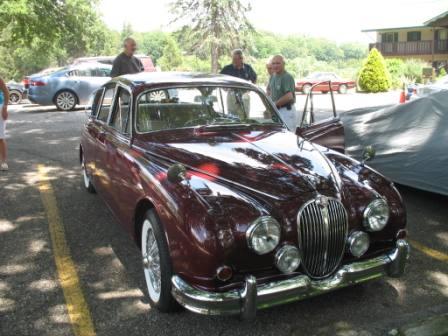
(411, 140)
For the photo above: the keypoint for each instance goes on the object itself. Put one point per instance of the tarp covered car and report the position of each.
(411, 140)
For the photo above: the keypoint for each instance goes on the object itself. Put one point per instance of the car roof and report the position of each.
(88, 65)
(152, 78)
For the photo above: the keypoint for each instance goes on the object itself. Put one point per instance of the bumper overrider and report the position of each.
(251, 297)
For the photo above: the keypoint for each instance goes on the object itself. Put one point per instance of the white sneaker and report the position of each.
(4, 166)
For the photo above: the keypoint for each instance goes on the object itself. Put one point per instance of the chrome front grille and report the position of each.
(322, 228)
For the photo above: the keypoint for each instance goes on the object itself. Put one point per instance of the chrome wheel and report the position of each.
(343, 89)
(65, 101)
(86, 178)
(151, 261)
(157, 96)
(306, 89)
(14, 97)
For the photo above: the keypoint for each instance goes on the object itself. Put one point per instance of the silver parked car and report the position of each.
(66, 87)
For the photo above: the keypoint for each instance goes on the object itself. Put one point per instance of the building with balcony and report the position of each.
(427, 41)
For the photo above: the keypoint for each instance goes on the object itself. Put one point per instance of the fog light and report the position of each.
(287, 259)
(224, 273)
(359, 243)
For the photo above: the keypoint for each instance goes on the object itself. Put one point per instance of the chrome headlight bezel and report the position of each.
(258, 230)
(353, 242)
(372, 220)
(282, 253)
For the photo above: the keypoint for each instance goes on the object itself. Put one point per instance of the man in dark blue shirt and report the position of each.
(239, 69)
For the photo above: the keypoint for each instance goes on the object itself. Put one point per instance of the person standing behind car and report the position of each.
(4, 99)
(239, 107)
(126, 63)
(269, 71)
(282, 92)
(238, 68)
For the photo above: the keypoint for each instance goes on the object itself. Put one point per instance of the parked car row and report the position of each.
(66, 87)
(232, 211)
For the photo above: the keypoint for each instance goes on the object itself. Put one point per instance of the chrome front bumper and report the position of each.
(251, 297)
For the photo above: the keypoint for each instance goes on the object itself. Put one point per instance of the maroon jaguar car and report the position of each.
(231, 210)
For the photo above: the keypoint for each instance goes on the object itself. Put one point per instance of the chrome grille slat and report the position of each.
(322, 245)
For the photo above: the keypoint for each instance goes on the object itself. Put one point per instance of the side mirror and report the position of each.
(177, 173)
(368, 154)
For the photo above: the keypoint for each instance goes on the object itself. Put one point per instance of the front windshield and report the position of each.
(202, 106)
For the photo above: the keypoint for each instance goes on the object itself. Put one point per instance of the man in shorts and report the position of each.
(4, 99)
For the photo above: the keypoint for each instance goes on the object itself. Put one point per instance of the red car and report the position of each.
(232, 211)
(337, 84)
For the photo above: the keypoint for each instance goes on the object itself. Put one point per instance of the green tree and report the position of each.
(40, 33)
(215, 25)
(126, 31)
(354, 50)
(172, 56)
(153, 43)
(374, 76)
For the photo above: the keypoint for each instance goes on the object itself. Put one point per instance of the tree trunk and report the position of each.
(215, 57)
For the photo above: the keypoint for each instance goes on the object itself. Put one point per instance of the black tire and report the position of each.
(65, 100)
(15, 97)
(324, 92)
(86, 178)
(342, 89)
(165, 302)
(306, 88)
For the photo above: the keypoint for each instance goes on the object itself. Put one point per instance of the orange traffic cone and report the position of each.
(403, 95)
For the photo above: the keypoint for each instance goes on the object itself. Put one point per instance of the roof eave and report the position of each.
(394, 28)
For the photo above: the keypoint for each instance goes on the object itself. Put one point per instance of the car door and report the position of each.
(121, 168)
(91, 130)
(324, 126)
(102, 180)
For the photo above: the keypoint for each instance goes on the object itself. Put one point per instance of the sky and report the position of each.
(340, 21)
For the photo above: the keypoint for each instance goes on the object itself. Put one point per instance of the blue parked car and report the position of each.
(69, 86)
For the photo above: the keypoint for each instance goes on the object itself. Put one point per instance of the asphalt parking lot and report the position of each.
(43, 147)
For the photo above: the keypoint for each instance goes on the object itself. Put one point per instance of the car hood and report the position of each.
(274, 162)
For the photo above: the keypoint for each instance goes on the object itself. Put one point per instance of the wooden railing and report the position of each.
(411, 48)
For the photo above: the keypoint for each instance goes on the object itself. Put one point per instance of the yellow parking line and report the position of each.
(77, 307)
(429, 251)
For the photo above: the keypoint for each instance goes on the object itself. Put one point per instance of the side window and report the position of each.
(101, 72)
(106, 104)
(95, 102)
(120, 116)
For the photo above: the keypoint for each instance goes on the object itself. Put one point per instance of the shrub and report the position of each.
(374, 76)
(442, 73)
(397, 69)
(414, 69)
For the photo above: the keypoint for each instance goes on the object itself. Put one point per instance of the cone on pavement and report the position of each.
(403, 95)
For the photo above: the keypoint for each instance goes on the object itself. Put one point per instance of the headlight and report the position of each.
(359, 243)
(263, 235)
(376, 215)
(287, 259)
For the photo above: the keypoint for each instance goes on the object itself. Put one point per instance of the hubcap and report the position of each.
(151, 261)
(65, 100)
(14, 98)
